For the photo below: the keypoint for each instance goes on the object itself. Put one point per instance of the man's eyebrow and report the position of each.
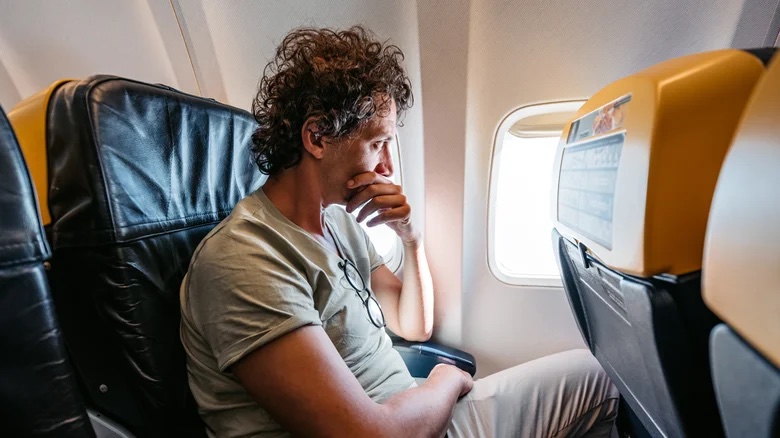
(381, 136)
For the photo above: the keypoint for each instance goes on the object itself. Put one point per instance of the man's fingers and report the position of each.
(381, 202)
(390, 215)
(366, 178)
(372, 191)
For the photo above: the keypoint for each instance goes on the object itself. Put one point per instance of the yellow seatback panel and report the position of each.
(741, 273)
(28, 119)
(637, 166)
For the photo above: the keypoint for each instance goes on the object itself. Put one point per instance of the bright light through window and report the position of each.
(522, 217)
(383, 238)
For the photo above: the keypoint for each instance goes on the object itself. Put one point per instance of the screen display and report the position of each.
(586, 187)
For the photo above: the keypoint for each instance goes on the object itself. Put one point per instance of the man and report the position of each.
(281, 316)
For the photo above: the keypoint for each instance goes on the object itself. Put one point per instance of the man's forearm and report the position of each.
(415, 303)
(424, 411)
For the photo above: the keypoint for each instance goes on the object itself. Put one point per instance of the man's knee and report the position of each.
(592, 397)
(583, 367)
(578, 377)
(575, 373)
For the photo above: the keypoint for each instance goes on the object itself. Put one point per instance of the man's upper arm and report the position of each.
(243, 297)
(387, 288)
(303, 383)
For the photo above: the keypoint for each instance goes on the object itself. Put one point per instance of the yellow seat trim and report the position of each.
(28, 119)
(741, 272)
(678, 126)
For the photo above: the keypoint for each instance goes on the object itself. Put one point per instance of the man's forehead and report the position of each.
(381, 126)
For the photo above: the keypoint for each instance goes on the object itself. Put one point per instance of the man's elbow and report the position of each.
(424, 336)
(418, 336)
(417, 331)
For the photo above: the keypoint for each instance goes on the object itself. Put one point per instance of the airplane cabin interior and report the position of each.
(595, 175)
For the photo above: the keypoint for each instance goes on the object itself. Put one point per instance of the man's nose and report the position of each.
(385, 166)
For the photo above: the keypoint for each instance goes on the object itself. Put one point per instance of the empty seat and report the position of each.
(741, 271)
(132, 176)
(39, 393)
(634, 177)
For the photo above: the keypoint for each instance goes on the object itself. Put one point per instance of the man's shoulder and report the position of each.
(247, 227)
(247, 246)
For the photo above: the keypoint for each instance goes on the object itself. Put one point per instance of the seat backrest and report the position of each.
(138, 174)
(39, 393)
(634, 176)
(741, 272)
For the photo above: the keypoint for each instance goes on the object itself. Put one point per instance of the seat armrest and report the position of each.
(421, 357)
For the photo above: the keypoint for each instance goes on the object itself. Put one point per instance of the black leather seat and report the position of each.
(138, 174)
(39, 394)
(133, 176)
(741, 271)
(636, 170)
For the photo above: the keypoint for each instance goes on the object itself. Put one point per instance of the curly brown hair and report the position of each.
(342, 78)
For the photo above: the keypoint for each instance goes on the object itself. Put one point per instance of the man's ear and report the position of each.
(312, 138)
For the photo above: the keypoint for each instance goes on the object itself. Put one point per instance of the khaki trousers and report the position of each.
(566, 394)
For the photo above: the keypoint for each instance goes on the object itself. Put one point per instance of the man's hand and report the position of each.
(446, 371)
(386, 198)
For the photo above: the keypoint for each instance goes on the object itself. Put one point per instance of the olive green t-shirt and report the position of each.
(256, 277)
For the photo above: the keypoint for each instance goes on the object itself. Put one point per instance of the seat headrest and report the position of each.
(139, 159)
(22, 239)
(636, 167)
(741, 271)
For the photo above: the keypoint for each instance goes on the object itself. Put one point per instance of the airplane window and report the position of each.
(520, 249)
(522, 203)
(384, 239)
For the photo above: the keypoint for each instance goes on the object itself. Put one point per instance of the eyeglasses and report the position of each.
(355, 280)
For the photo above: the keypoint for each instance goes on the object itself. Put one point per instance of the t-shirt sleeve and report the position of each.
(241, 298)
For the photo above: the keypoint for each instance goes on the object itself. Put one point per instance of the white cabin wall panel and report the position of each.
(444, 26)
(9, 95)
(43, 41)
(758, 24)
(233, 41)
(169, 32)
(528, 52)
(197, 36)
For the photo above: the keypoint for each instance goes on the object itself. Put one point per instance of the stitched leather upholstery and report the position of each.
(138, 175)
(39, 394)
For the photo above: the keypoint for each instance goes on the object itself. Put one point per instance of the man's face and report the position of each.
(367, 150)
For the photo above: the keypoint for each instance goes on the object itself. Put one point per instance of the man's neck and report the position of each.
(297, 195)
